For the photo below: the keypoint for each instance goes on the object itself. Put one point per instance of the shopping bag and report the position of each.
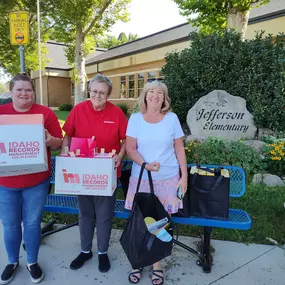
(209, 193)
(141, 246)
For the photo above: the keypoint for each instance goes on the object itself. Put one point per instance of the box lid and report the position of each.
(25, 119)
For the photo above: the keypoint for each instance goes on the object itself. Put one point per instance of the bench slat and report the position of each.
(238, 219)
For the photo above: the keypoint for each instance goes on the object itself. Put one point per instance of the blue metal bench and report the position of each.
(238, 219)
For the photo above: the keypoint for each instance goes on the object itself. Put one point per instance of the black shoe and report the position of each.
(36, 272)
(104, 263)
(79, 261)
(8, 273)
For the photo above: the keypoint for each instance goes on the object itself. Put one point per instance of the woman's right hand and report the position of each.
(154, 166)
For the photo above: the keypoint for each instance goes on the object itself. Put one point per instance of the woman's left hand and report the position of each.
(49, 138)
(183, 183)
(118, 160)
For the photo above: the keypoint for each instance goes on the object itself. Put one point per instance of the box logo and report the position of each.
(87, 181)
(70, 177)
(2, 148)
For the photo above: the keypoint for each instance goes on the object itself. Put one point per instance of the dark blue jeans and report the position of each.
(22, 205)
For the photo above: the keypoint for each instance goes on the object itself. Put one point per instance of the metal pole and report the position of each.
(22, 59)
(39, 52)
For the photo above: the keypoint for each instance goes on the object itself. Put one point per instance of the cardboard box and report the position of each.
(85, 176)
(22, 145)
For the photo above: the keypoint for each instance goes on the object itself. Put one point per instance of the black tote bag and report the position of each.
(209, 195)
(142, 247)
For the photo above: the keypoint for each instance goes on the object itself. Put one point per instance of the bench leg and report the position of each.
(47, 233)
(206, 257)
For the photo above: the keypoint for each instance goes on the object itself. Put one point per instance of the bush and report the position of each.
(65, 107)
(136, 108)
(252, 69)
(124, 107)
(274, 153)
(224, 152)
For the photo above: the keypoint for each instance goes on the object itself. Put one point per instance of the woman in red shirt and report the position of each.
(22, 197)
(107, 122)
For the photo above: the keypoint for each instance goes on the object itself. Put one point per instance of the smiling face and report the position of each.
(99, 94)
(155, 98)
(23, 95)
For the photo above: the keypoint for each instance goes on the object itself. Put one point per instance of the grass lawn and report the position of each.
(264, 205)
(62, 115)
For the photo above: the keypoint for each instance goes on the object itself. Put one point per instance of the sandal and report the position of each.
(159, 277)
(133, 274)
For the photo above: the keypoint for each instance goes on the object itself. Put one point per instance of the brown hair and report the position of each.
(20, 77)
(152, 85)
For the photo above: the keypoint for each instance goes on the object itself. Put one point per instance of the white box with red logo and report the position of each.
(22, 145)
(85, 176)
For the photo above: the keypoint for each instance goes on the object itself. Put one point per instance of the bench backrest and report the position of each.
(237, 177)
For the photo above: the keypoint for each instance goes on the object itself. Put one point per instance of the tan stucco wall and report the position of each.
(154, 55)
(129, 102)
(273, 26)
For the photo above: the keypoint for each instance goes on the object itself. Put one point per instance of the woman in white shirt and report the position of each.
(155, 136)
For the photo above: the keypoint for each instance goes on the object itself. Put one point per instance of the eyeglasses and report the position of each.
(99, 94)
(156, 79)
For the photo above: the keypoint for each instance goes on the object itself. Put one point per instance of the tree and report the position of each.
(3, 88)
(9, 55)
(251, 69)
(77, 23)
(214, 15)
(110, 41)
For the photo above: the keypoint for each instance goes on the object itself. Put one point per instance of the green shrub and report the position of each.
(136, 108)
(224, 152)
(124, 107)
(65, 107)
(274, 153)
(252, 69)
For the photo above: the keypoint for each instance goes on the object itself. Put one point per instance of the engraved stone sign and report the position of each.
(220, 114)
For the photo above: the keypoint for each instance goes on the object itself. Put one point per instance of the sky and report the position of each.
(148, 17)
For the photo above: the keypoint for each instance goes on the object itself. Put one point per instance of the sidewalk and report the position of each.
(234, 264)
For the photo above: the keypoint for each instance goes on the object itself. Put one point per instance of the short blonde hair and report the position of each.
(155, 85)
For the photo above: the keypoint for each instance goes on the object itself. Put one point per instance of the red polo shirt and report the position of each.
(108, 126)
(52, 125)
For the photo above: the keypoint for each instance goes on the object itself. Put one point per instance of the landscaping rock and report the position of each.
(272, 180)
(194, 138)
(265, 132)
(257, 178)
(255, 144)
(268, 179)
(219, 114)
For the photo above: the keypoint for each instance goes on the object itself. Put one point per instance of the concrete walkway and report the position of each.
(234, 264)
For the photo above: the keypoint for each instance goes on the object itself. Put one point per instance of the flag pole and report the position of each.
(39, 52)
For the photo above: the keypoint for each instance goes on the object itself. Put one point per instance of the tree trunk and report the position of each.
(237, 20)
(80, 75)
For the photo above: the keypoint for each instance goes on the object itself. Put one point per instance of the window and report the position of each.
(131, 86)
(140, 83)
(151, 75)
(160, 74)
(123, 87)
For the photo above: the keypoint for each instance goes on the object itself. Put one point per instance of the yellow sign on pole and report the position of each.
(19, 28)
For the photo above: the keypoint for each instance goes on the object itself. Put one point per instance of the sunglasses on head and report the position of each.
(155, 79)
